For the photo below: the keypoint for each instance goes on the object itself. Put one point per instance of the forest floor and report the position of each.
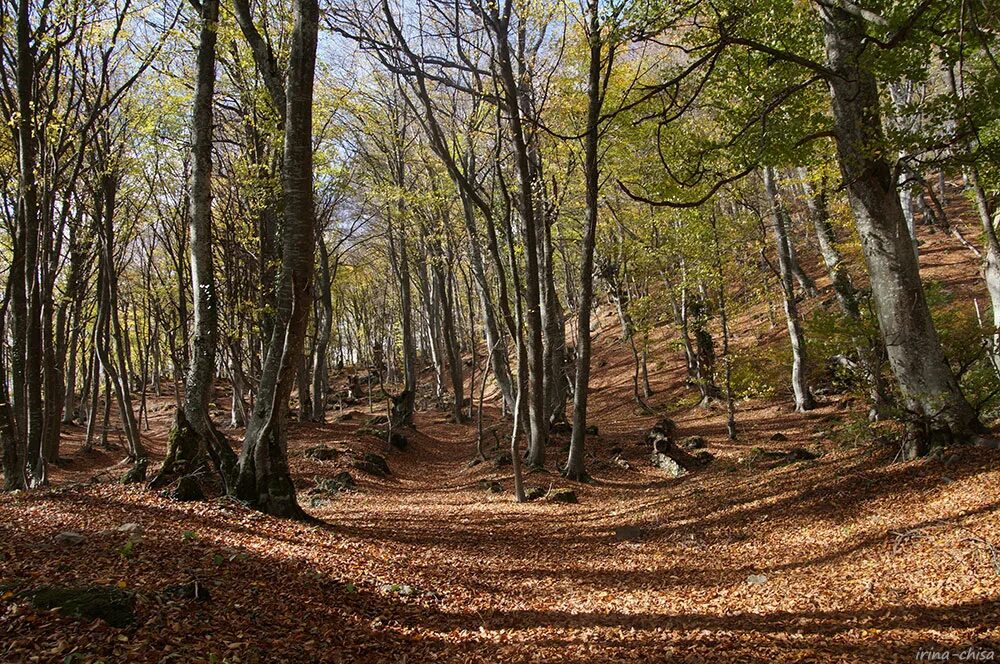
(848, 557)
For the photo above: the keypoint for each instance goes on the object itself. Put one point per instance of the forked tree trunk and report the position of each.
(264, 479)
(512, 89)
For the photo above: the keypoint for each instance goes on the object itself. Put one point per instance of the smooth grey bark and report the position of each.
(27, 360)
(324, 325)
(432, 318)
(928, 385)
(462, 174)
(843, 286)
(304, 386)
(991, 260)
(511, 83)
(115, 365)
(800, 386)
(901, 94)
(94, 394)
(698, 313)
(238, 409)
(264, 479)
(403, 405)
(205, 340)
(575, 469)
(445, 297)
(12, 460)
(720, 274)
(554, 339)
(816, 202)
(498, 360)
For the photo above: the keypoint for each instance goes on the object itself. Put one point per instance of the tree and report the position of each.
(263, 476)
(190, 448)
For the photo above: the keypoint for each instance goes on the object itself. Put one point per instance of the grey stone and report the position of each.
(627, 533)
(561, 496)
(693, 443)
(667, 464)
(69, 537)
(108, 603)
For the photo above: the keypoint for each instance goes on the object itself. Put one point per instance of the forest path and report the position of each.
(848, 557)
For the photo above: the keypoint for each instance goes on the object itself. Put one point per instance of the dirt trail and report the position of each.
(844, 558)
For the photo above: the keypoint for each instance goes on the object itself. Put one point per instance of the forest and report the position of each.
(499, 330)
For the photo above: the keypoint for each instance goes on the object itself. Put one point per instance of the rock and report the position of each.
(800, 454)
(534, 493)
(778, 437)
(69, 537)
(133, 528)
(398, 440)
(757, 579)
(561, 496)
(704, 457)
(491, 486)
(980, 441)
(623, 463)
(662, 430)
(560, 426)
(628, 533)
(322, 453)
(667, 463)
(342, 481)
(188, 489)
(114, 606)
(402, 589)
(775, 458)
(693, 443)
(374, 464)
(194, 590)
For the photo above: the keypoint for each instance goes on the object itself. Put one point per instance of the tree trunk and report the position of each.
(201, 369)
(930, 389)
(575, 469)
(324, 323)
(816, 202)
(443, 295)
(498, 359)
(13, 461)
(537, 425)
(264, 478)
(991, 261)
(27, 365)
(800, 386)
